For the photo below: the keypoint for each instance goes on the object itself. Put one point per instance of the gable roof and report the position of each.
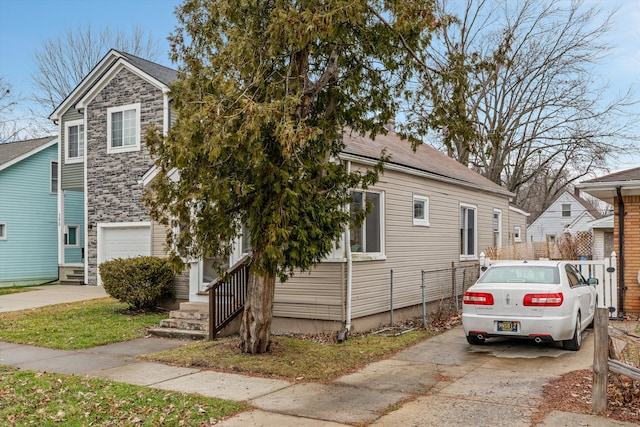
(595, 213)
(157, 73)
(518, 209)
(14, 152)
(161, 73)
(589, 208)
(627, 182)
(425, 161)
(584, 218)
(604, 222)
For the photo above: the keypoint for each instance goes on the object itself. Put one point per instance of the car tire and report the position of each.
(474, 340)
(574, 343)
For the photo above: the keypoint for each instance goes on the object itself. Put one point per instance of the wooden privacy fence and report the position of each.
(578, 245)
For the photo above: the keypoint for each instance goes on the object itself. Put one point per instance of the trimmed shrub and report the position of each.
(142, 282)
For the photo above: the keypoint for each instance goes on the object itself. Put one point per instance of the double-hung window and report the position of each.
(497, 228)
(566, 210)
(74, 135)
(53, 188)
(367, 238)
(517, 234)
(123, 128)
(420, 210)
(468, 232)
(3, 231)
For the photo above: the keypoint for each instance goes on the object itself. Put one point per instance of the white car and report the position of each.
(540, 300)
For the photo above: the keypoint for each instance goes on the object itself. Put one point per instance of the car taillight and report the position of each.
(478, 298)
(543, 300)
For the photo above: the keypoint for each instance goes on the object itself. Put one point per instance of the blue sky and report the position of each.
(24, 24)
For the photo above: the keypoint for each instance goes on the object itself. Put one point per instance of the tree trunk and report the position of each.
(255, 328)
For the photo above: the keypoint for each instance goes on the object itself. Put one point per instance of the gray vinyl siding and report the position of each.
(410, 249)
(158, 239)
(73, 173)
(316, 295)
(515, 219)
(158, 249)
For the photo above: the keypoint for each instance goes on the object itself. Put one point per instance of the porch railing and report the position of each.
(227, 295)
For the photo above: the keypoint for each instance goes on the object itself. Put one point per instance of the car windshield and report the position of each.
(521, 274)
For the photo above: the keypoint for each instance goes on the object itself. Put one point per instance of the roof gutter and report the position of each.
(621, 286)
(424, 174)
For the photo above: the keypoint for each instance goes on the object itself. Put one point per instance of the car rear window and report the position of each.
(521, 274)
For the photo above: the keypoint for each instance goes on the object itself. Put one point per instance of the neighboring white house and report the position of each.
(602, 237)
(568, 211)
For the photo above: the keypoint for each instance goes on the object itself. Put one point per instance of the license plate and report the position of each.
(507, 326)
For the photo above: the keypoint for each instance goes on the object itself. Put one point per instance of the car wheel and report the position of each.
(574, 343)
(474, 340)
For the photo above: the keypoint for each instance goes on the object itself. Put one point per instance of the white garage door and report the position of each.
(123, 241)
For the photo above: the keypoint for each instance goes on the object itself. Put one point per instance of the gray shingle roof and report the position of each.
(159, 72)
(424, 159)
(12, 150)
(625, 175)
(595, 213)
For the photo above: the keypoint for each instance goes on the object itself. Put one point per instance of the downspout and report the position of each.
(342, 335)
(349, 269)
(621, 286)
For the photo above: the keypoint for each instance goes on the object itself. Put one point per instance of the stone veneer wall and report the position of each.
(631, 251)
(113, 189)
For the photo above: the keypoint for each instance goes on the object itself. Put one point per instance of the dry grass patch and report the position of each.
(295, 358)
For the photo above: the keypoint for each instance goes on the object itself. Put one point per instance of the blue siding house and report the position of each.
(28, 211)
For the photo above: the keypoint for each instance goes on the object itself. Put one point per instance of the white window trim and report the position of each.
(499, 212)
(374, 256)
(51, 177)
(3, 231)
(423, 222)
(517, 234)
(67, 157)
(473, 256)
(66, 233)
(126, 148)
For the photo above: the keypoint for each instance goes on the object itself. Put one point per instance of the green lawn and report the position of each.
(40, 399)
(76, 325)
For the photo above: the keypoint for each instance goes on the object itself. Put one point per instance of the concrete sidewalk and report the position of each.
(442, 381)
(39, 296)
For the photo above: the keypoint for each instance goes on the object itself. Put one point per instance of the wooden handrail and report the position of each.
(230, 291)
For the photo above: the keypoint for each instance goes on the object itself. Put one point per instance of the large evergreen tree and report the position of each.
(265, 89)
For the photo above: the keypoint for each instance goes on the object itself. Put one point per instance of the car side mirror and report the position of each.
(592, 281)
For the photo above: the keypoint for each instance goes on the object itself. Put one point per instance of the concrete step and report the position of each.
(72, 282)
(186, 324)
(195, 306)
(179, 333)
(189, 314)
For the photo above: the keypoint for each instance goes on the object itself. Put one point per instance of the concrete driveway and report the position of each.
(442, 381)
